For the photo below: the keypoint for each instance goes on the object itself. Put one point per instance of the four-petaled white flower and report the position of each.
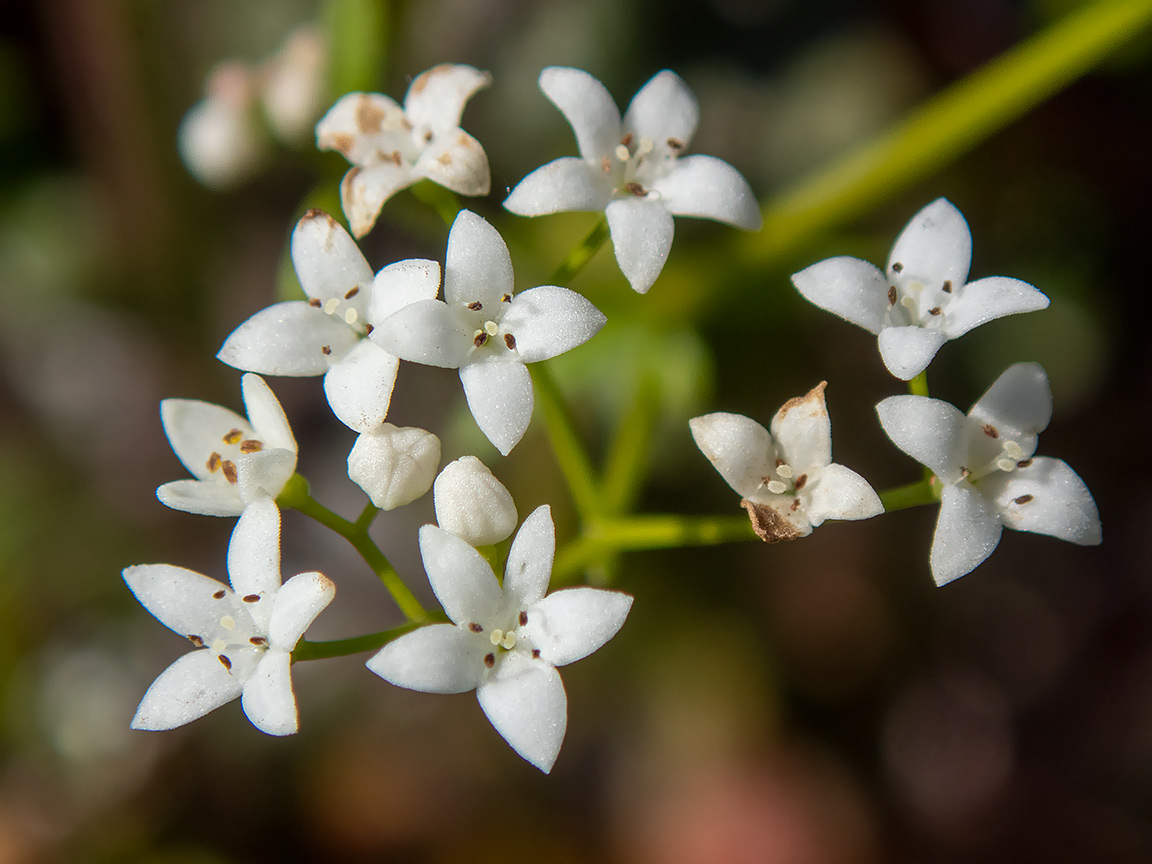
(235, 461)
(991, 479)
(787, 478)
(633, 169)
(391, 147)
(487, 333)
(922, 300)
(325, 334)
(244, 634)
(504, 642)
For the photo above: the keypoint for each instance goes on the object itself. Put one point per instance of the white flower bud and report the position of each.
(218, 139)
(473, 504)
(393, 465)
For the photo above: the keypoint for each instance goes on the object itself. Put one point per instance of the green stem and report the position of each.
(306, 650)
(570, 454)
(579, 257)
(443, 201)
(909, 495)
(628, 453)
(918, 386)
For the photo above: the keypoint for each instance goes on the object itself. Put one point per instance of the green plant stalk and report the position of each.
(910, 495)
(628, 452)
(306, 650)
(918, 386)
(570, 454)
(579, 257)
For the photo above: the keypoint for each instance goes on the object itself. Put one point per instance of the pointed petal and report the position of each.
(401, 284)
(186, 602)
(353, 125)
(478, 266)
(803, 431)
(268, 699)
(437, 97)
(663, 109)
(529, 567)
(364, 191)
(587, 106)
(359, 387)
(327, 260)
(710, 188)
(287, 339)
(187, 690)
(254, 559)
(907, 351)
(461, 579)
(1046, 497)
(266, 414)
(427, 332)
(841, 493)
(738, 447)
(1018, 404)
(204, 497)
(987, 299)
(296, 606)
(930, 431)
(564, 184)
(439, 658)
(456, 161)
(264, 473)
(525, 701)
(195, 429)
(500, 397)
(548, 320)
(967, 532)
(935, 245)
(641, 238)
(571, 624)
(853, 289)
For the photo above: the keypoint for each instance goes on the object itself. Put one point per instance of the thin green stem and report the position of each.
(368, 514)
(628, 453)
(306, 650)
(909, 495)
(570, 453)
(918, 386)
(579, 257)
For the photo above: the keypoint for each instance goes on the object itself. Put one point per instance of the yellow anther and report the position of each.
(218, 645)
(228, 622)
(351, 315)
(1013, 450)
(509, 639)
(1006, 464)
(491, 328)
(646, 145)
(331, 304)
(496, 637)
(777, 488)
(784, 471)
(622, 153)
(909, 303)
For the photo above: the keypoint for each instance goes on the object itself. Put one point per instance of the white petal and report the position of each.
(328, 262)
(437, 97)
(841, 493)
(195, 429)
(935, 245)
(587, 106)
(1046, 497)
(263, 474)
(456, 161)
(287, 339)
(204, 497)
(187, 690)
(571, 624)
(853, 289)
(548, 320)
(296, 606)
(359, 387)
(803, 431)
(268, 699)
(663, 108)
(353, 126)
(529, 567)
(500, 397)
(907, 351)
(427, 332)
(526, 703)
(440, 658)
(363, 191)
(472, 504)
(462, 580)
(266, 414)
(186, 602)
(641, 238)
(1018, 404)
(394, 466)
(564, 184)
(478, 266)
(930, 431)
(738, 447)
(401, 284)
(710, 188)
(254, 558)
(967, 531)
(987, 299)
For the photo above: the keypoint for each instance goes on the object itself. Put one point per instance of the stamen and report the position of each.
(510, 341)
(897, 266)
(489, 660)
(195, 640)
(218, 645)
(947, 286)
(233, 437)
(507, 298)
(351, 292)
(251, 598)
(491, 328)
(535, 653)
(219, 595)
(213, 463)
(990, 430)
(523, 618)
(509, 640)
(1013, 450)
(1023, 499)
(784, 470)
(622, 153)
(368, 328)
(1006, 464)
(229, 469)
(675, 144)
(251, 445)
(935, 310)
(479, 338)
(315, 303)
(892, 295)
(626, 140)
(795, 505)
(475, 305)
(228, 622)
(257, 640)
(331, 304)
(800, 481)
(1024, 464)
(475, 628)
(350, 316)
(496, 637)
(635, 189)
(646, 145)
(776, 487)
(909, 304)
(325, 350)
(605, 164)
(226, 662)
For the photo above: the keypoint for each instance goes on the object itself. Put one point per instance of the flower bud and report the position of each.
(393, 465)
(473, 504)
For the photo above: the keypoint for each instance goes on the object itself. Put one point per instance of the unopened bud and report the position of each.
(394, 465)
(473, 504)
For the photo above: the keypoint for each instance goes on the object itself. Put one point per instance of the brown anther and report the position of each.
(990, 430)
(427, 136)
(795, 504)
(480, 339)
(765, 480)
(229, 469)
(892, 295)
(251, 598)
(507, 298)
(1024, 463)
(489, 660)
(935, 310)
(947, 286)
(626, 140)
(1023, 499)
(325, 350)
(368, 328)
(213, 463)
(395, 157)
(535, 653)
(605, 164)
(800, 481)
(965, 473)
(233, 437)
(195, 640)
(779, 461)
(227, 664)
(219, 595)
(675, 144)
(314, 303)
(475, 305)
(523, 618)
(475, 628)
(510, 341)
(897, 266)
(251, 445)
(351, 292)
(257, 640)
(635, 188)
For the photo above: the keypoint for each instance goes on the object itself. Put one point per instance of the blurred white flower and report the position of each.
(394, 465)
(632, 169)
(294, 84)
(472, 504)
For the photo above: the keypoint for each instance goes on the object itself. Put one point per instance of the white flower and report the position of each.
(788, 480)
(391, 147)
(991, 479)
(325, 334)
(244, 635)
(633, 169)
(504, 642)
(394, 465)
(219, 139)
(472, 504)
(235, 461)
(923, 300)
(486, 332)
(293, 83)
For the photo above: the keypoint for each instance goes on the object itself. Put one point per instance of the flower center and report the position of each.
(916, 301)
(1008, 457)
(636, 164)
(343, 309)
(503, 640)
(235, 444)
(488, 337)
(784, 480)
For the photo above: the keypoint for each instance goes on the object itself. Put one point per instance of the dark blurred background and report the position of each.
(817, 702)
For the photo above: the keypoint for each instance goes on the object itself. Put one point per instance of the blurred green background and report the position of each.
(819, 701)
